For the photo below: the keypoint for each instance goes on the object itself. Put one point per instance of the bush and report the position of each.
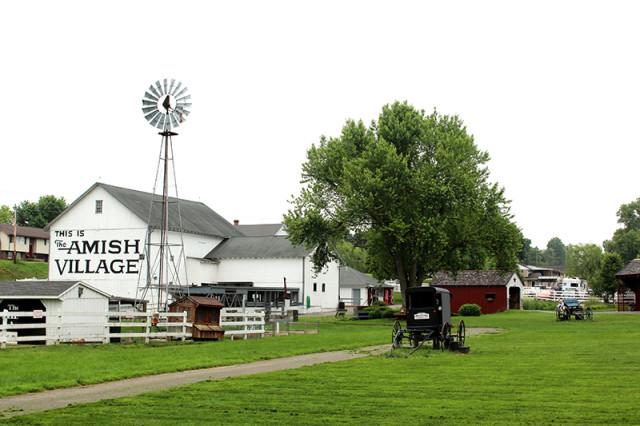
(379, 303)
(529, 304)
(470, 310)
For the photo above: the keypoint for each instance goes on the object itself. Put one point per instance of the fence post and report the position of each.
(58, 336)
(106, 338)
(3, 332)
(148, 327)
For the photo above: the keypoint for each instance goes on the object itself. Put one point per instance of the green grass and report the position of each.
(50, 367)
(536, 370)
(10, 271)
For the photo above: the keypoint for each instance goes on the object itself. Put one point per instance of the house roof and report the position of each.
(350, 277)
(39, 289)
(270, 247)
(25, 231)
(471, 278)
(196, 217)
(266, 230)
(632, 269)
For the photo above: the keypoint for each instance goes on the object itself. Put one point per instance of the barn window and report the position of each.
(323, 287)
(490, 297)
(98, 206)
(315, 286)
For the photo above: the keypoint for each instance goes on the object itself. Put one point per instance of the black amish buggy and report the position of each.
(571, 306)
(428, 317)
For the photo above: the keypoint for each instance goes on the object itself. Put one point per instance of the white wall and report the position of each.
(330, 276)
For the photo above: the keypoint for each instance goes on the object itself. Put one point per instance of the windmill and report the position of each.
(164, 262)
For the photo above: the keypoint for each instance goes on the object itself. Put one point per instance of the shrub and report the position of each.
(470, 310)
(379, 303)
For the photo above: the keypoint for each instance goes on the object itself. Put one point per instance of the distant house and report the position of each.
(360, 289)
(491, 290)
(32, 243)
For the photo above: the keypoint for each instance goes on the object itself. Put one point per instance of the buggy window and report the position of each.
(421, 299)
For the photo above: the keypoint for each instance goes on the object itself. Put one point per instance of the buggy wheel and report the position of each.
(462, 331)
(589, 314)
(567, 313)
(559, 313)
(445, 336)
(396, 335)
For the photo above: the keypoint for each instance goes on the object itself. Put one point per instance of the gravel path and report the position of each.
(24, 404)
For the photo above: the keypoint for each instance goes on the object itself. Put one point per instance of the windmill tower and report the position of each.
(164, 263)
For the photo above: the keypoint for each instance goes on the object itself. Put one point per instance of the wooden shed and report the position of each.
(203, 313)
(628, 282)
(493, 291)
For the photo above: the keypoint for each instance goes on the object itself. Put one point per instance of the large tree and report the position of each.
(626, 240)
(584, 260)
(605, 283)
(6, 214)
(415, 187)
(38, 215)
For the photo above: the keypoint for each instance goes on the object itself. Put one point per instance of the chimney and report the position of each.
(236, 222)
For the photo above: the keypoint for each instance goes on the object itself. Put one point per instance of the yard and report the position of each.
(536, 370)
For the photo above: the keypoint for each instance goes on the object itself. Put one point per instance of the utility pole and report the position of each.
(15, 233)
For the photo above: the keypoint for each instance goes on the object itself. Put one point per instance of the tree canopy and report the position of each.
(6, 214)
(626, 240)
(38, 215)
(584, 261)
(414, 187)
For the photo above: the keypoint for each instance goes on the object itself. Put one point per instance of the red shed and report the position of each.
(203, 313)
(493, 291)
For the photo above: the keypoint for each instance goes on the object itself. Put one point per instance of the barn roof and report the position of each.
(39, 289)
(632, 269)
(196, 217)
(471, 278)
(265, 230)
(270, 247)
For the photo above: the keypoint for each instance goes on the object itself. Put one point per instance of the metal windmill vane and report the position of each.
(165, 105)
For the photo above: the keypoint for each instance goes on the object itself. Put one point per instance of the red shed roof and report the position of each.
(471, 278)
(631, 270)
(202, 301)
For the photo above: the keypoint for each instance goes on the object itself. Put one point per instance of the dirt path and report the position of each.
(24, 404)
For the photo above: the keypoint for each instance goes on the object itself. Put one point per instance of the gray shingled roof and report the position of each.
(35, 289)
(25, 231)
(632, 268)
(471, 278)
(350, 277)
(260, 230)
(197, 218)
(256, 248)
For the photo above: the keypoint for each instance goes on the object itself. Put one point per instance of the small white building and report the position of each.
(77, 302)
(358, 289)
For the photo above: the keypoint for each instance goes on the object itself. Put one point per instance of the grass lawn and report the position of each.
(10, 271)
(535, 371)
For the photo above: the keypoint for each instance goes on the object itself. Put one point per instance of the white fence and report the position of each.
(582, 296)
(236, 322)
(101, 327)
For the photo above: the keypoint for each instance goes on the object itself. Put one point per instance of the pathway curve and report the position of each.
(25, 404)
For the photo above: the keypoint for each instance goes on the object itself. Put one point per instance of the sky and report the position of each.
(550, 89)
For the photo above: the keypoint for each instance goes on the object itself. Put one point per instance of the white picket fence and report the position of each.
(104, 327)
(582, 296)
(100, 327)
(246, 323)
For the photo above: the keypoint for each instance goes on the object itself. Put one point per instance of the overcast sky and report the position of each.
(549, 88)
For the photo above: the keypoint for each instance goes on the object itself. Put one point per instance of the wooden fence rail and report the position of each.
(245, 323)
(101, 327)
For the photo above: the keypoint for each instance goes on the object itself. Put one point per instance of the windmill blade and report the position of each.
(159, 87)
(151, 116)
(182, 111)
(153, 89)
(173, 82)
(150, 96)
(148, 109)
(165, 85)
(160, 124)
(183, 104)
(155, 120)
(176, 89)
(149, 103)
(184, 98)
(173, 120)
(181, 92)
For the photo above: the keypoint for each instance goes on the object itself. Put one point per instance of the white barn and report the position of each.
(100, 240)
